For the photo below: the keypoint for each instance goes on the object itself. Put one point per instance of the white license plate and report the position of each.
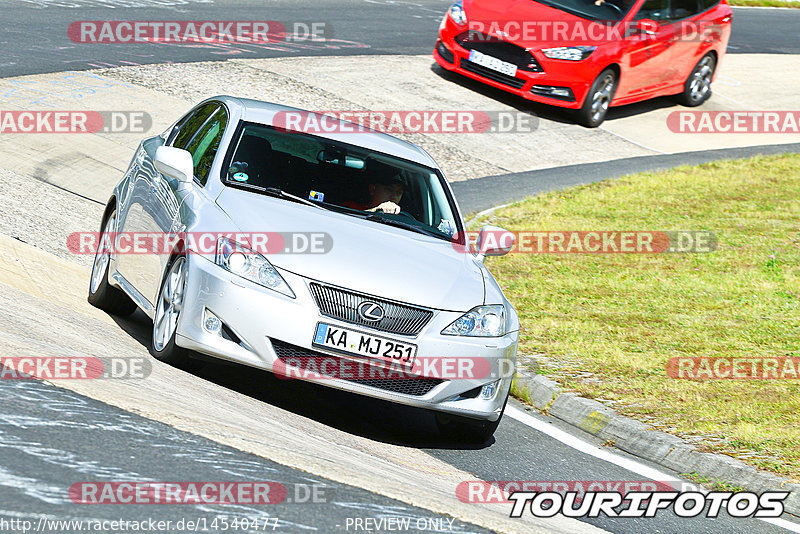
(493, 63)
(361, 344)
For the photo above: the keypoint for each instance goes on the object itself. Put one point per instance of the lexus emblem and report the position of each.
(370, 311)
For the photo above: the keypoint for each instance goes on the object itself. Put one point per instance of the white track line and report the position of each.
(603, 453)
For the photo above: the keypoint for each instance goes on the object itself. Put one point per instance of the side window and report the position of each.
(708, 4)
(654, 9)
(682, 9)
(190, 124)
(205, 144)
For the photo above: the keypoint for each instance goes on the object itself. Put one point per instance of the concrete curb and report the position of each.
(638, 439)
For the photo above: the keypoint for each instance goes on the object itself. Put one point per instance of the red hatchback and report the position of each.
(588, 55)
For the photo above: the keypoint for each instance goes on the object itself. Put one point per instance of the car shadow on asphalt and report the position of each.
(551, 113)
(359, 415)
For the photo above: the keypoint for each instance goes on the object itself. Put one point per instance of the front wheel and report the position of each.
(102, 294)
(468, 430)
(697, 88)
(601, 93)
(168, 310)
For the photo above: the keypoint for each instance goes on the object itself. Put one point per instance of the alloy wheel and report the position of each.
(170, 303)
(601, 99)
(102, 256)
(700, 84)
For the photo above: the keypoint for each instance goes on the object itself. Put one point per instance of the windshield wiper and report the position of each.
(400, 224)
(280, 193)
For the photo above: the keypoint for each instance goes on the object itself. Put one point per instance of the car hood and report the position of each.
(491, 15)
(367, 257)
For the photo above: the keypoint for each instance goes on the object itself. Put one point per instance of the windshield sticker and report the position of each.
(316, 195)
(241, 177)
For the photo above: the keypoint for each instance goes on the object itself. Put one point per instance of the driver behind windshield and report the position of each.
(623, 5)
(385, 194)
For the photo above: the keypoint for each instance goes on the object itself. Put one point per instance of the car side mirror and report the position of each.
(175, 163)
(648, 27)
(494, 241)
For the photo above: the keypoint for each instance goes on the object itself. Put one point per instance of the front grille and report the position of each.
(342, 304)
(499, 77)
(495, 47)
(407, 386)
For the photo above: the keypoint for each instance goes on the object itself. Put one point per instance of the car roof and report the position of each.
(261, 112)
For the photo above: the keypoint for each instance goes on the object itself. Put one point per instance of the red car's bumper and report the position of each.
(570, 75)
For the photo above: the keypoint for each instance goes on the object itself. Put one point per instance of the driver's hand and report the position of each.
(387, 207)
(599, 2)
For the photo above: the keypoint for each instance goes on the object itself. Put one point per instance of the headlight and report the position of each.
(248, 264)
(482, 321)
(456, 13)
(570, 53)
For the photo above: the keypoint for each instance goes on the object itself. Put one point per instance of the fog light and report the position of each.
(444, 52)
(489, 390)
(562, 93)
(211, 323)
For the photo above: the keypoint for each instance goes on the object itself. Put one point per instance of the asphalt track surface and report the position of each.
(109, 443)
(34, 32)
(49, 437)
(488, 192)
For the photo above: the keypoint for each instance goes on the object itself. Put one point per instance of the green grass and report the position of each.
(712, 484)
(764, 3)
(621, 317)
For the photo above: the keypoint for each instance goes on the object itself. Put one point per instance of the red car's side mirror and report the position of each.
(648, 27)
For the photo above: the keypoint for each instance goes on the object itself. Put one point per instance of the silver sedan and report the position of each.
(338, 257)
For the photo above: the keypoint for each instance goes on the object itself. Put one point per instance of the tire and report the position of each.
(697, 88)
(598, 99)
(466, 430)
(102, 294)
(168, 308)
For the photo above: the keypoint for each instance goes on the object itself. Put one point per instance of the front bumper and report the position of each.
(256, 316)
(569, 75)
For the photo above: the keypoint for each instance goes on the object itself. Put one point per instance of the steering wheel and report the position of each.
(612, 5)
(407, 214)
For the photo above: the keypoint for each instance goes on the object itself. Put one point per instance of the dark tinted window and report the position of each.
(708, 4)
(682, 9)
(654, 9)
(191, 123)
(205, 144)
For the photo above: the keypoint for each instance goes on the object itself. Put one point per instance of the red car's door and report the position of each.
(699, 25)
(647, 59)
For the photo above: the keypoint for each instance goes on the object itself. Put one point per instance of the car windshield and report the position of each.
(352, 180)
(608, 11)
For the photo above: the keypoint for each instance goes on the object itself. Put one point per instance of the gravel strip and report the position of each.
(194, 82)
(29, 215)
